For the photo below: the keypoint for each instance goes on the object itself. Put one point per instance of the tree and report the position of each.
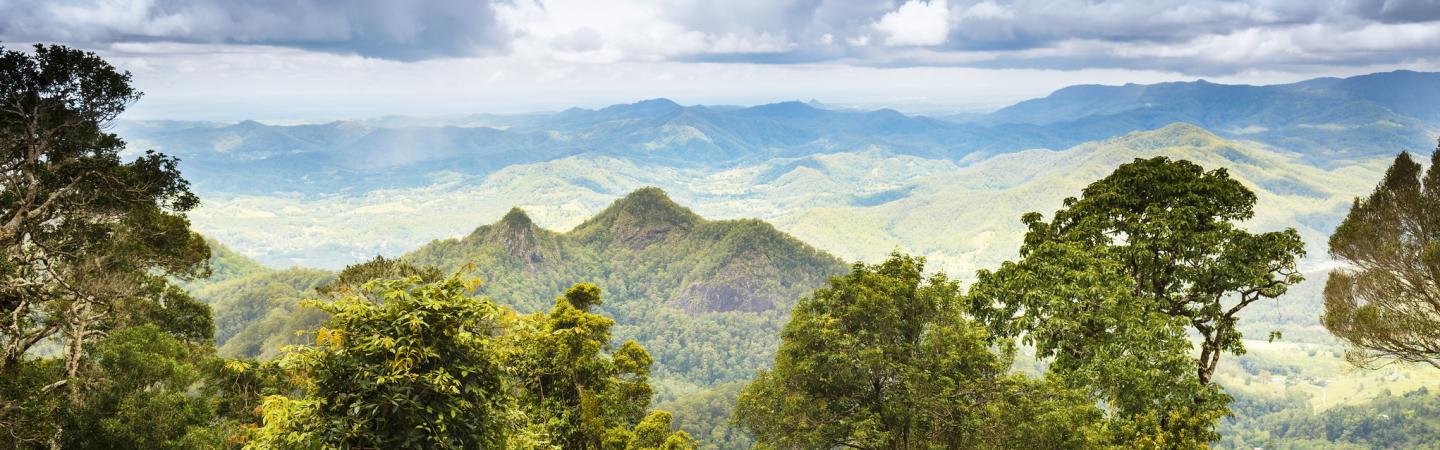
(141, 382)
(1385, 300)
(85, 236)
(883, 358)
(354, 276)
(139, 394)
(708, 414)
(399, 364)
(570, 394)
(653, 433)
(262, 319)
(1109, 289)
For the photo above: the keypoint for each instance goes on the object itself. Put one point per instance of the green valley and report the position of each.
(1171, 266)
(708, 298)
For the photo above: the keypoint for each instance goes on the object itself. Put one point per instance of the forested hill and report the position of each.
(707, 298)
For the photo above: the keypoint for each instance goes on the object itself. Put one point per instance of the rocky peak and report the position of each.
(645, 216)
(517, 234)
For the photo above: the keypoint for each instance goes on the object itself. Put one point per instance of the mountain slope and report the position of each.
(968, 218)
(1331, 120)
(255, 308)
(1415, 94)
(705, 297)
(225, 265)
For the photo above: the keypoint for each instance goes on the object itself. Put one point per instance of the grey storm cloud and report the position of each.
(1398, 10)
(404, 30)
(1034, 23)
(1210, 36)
(1201, 36)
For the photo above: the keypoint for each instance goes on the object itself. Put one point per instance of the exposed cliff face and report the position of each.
(748, 283)
(517, 235)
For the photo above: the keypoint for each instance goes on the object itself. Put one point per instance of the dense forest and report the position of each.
(707, 297)
(650, 327)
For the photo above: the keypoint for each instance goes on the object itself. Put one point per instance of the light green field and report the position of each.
(1274, 368)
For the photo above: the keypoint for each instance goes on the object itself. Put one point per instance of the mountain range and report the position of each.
(707, 298)
(1332, 121)
(595, 195)
(804, 166)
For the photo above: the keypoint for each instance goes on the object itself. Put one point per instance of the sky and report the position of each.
(336, 59)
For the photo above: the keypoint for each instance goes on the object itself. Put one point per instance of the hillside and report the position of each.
(327, 194)
(225, 265)
(968, 218)
(255, 307)
(1331, 121)
(706, 297)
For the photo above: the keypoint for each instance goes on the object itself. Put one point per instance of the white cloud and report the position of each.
(212, 82)
(986, 10)
(916, 22)
(263, 58)
(619, 30)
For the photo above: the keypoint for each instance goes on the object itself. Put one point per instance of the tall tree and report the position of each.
(883, 358)
(570, 393)
(1385, 300)
(1110, 289)
(416, 369)
(84, 233)
(139, 394)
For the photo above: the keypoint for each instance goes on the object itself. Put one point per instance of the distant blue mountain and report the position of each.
(1331, 120)
(1414, 94)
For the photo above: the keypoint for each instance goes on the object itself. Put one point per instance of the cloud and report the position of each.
(916, 23)
(1192, 36)
(1398, 11)
(405, 30)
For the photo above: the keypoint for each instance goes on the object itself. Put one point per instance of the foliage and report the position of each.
(1388, 421)
(356, 275)
(262, 312)
(409, 363)
(79, 227)
(572, 395)
(708, 415)
(239, 304)
(146, 385)
(1109, 289)
(87, 243)
(415, 369)
(1385, 301)
(707, 298)
(884, 358)
(142, 401)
